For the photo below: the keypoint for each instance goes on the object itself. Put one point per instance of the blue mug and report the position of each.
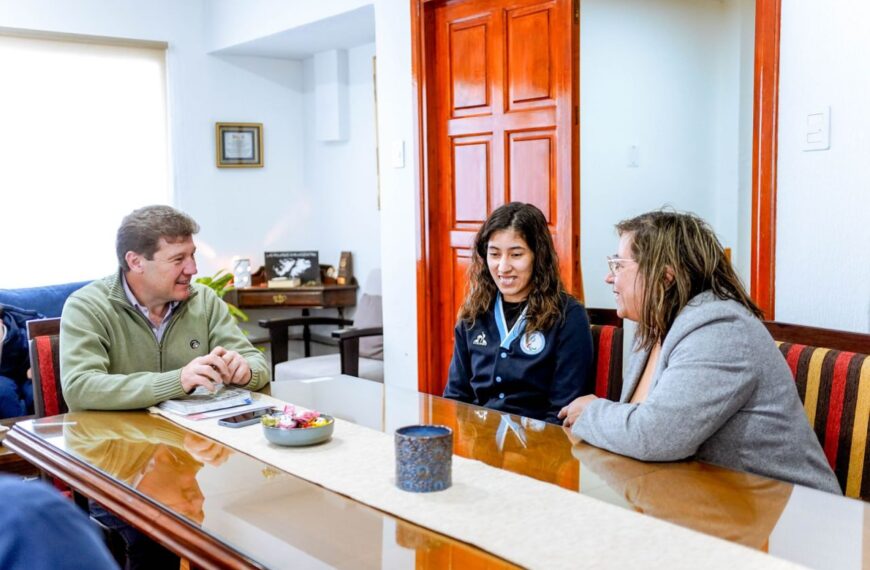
(424, 458)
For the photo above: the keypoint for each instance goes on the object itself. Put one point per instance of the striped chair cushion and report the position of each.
(607, 361)
(835, 389)
(44, 357)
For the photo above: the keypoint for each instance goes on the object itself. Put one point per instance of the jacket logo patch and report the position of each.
(533, 343)
(480, 340)
(194, 344)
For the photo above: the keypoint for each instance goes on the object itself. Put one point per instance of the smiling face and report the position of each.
(627, 285)
(510, 263)
(167, 276)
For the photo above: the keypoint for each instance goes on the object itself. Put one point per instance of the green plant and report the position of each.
(220, 284)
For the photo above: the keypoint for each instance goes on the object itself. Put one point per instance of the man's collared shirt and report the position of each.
(158, 330)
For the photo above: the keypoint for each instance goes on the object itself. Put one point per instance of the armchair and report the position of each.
(17, 308)
(360, 348)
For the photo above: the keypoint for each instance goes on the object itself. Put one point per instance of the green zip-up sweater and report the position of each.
(111, 360)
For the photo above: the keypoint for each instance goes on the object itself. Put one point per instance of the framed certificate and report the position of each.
(239, 145)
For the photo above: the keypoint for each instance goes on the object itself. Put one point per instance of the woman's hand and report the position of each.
(572, 411)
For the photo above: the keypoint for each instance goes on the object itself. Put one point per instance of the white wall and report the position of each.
(743, 17)
(670, 77)
(823, 197)
(341, 177)
(230, 22)
(246, 211)
(397, 120)
(241, 211)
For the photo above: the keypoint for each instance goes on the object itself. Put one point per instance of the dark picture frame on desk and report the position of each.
(239, 145)
(292, 268)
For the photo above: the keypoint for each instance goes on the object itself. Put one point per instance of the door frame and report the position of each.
(764, 154)
(765, 121)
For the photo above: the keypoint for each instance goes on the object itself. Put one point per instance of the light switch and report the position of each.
(398, 154)
(817, 131)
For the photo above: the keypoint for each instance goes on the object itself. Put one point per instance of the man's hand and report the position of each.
(572, 411)
(238, 369)
(204, 371)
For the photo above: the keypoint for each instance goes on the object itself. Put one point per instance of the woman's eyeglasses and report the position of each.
(616, 264)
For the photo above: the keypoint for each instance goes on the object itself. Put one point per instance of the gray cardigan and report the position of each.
(722, 393)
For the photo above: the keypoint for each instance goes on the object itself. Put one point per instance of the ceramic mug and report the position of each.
(424, 458)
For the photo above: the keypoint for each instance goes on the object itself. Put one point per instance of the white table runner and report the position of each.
(529, 522)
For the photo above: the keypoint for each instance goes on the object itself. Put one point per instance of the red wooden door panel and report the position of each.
(500, 127)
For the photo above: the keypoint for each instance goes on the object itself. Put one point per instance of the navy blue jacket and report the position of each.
(534, 376)
(43, 530)
(16, 353)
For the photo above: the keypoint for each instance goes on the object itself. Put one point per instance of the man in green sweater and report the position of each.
(149, 333)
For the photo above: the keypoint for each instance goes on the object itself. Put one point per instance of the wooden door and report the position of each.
(500, 105)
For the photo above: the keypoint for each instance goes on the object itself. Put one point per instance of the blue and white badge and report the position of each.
(533, 343)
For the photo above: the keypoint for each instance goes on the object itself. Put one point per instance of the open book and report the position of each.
(201, 400)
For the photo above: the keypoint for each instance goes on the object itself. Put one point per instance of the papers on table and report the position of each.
(200, 401)
(227, 412)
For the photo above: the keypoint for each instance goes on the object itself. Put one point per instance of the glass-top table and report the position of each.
(219, 507)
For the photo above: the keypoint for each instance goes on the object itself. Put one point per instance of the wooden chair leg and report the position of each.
(278, 339)
(81, 501)
(349, 349)
(306, 335)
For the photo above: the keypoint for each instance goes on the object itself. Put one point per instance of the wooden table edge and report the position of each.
(177, 535)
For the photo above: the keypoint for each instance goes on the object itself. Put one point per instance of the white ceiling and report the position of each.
(343, 31)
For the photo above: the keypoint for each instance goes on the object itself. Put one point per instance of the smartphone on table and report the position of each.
(245, 418)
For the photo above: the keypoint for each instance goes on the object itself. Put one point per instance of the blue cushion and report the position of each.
(47, 300)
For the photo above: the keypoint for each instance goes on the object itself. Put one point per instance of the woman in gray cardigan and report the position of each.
(705, 380)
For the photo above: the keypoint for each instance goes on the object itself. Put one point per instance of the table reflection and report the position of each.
(142, 451)
(521, 445)
(739, 507)
(294, 520)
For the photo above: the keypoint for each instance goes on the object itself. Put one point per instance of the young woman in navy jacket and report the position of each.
(522, 344)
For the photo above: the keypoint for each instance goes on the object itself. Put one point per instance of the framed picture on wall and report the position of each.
(239, 145)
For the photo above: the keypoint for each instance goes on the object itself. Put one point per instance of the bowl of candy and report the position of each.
(290, 427)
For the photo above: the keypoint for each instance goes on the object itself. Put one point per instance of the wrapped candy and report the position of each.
(288, 418)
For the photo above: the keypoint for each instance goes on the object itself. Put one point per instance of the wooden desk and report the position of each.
(322, 297)
(221, 508)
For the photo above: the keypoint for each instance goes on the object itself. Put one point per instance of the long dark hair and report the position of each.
(545, 301)
(678, 257)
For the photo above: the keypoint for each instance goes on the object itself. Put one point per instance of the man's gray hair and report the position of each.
(142, 229)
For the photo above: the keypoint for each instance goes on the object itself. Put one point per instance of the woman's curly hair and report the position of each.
(545, 302)
(678, 257)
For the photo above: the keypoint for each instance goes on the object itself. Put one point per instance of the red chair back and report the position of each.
(607, 361)
(44, 337)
